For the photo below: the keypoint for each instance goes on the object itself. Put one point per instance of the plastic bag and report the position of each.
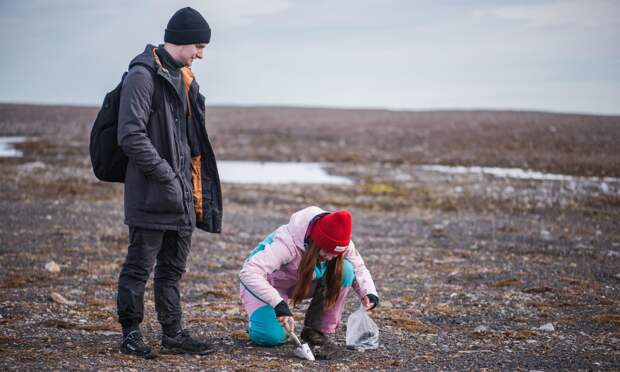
(362, 331)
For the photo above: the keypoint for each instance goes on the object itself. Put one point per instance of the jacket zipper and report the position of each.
(186, 218)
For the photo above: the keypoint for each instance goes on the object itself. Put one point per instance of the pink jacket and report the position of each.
(276, 265)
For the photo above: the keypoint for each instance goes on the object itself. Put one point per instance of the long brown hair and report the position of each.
(333, 276)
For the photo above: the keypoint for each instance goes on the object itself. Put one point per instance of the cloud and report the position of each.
(579, 13)
(236, 13)
(543, 54)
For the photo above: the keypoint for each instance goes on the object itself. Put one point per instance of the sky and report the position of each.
(548, 55)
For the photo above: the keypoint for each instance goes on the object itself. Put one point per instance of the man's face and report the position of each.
(188, 53)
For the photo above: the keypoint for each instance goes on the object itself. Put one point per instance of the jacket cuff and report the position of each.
(282, 310)
(373, 299)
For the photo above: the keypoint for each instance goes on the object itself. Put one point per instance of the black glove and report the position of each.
(374, 300)
(282, 310)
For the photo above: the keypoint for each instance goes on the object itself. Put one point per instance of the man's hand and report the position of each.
(287, 322)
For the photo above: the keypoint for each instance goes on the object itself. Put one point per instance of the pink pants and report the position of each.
(264, 328)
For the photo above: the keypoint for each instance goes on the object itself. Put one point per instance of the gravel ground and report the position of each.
(475, 272)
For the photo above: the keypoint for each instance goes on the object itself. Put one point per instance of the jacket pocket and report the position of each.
(164, 197)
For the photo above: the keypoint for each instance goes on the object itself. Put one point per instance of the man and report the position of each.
(171, 184)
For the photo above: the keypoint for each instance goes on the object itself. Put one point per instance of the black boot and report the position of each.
(323, 346)
(313, 337)
(183, 343)
(134, 345)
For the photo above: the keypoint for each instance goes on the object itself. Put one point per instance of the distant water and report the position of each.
(7, 150)
(517, 173)
(233, 171)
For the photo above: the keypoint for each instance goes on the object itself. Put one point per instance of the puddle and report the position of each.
(7, 150)
(233, 171)
(516, 173)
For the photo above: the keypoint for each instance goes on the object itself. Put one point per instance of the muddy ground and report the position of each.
(474, 272)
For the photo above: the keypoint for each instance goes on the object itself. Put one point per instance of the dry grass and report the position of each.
(21, 280)
(537, 290)
(446, 309)
(551, 305)
(89, 327)
(219, 294)
(507, 282)
(609, 319)
(240, 335)
(521, 335)
(411, 325)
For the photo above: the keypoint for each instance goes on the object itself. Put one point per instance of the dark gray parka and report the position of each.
(170, 183)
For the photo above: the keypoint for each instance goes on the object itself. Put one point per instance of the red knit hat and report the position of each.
(332, 232)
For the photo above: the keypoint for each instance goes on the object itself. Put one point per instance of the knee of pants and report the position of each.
(135, 272)
(348, 274)
(264, 328)
(168, 272)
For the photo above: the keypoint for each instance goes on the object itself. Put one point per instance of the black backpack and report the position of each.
(106, 156)
(108, 159)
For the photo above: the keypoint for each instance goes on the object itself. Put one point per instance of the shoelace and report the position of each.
(135, 336)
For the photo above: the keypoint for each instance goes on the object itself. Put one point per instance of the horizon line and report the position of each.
(343, 108)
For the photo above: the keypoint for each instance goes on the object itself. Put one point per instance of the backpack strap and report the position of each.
(156, 97)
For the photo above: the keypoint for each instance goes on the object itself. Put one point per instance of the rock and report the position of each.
(108, 333)
(481, 329)
(604, 187)
(58, 298)
(546, 327)
(31, 167)
(232, 311)
(52, 267)
(618, 276)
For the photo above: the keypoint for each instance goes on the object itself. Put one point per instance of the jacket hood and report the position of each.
(298, 224)
(145, 58)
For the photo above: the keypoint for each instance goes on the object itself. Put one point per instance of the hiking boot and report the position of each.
(314, 337)
(323, 346)
(183, 343)
(134, 345)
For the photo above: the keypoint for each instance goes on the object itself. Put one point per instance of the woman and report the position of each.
(310, 257)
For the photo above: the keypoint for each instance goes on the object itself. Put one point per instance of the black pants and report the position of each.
(314, 313)
(170, 249)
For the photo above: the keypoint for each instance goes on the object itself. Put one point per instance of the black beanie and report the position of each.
(187, 26)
